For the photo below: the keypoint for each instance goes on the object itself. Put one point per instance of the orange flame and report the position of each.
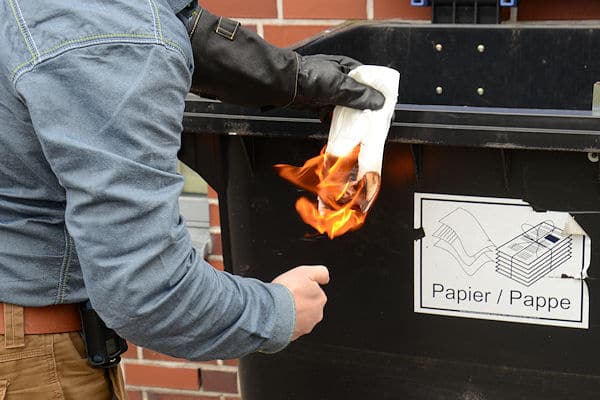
(343, 201)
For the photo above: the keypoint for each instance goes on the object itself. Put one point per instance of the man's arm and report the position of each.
(109, 119)
(236, 65)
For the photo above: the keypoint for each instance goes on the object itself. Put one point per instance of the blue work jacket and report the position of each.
(91, 105)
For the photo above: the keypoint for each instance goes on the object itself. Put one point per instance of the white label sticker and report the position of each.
(498, 259)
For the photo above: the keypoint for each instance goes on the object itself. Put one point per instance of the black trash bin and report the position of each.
(485, 113)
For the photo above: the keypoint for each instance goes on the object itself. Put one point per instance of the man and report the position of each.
(91, 103)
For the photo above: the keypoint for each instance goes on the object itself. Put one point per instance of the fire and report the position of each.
(343, 201)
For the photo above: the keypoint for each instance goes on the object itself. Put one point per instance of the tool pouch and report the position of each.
(102, 344)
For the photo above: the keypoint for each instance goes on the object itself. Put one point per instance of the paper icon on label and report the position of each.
(533, 254)
(462, 236)
(496, 258)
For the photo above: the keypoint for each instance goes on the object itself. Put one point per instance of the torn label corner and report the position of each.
(573, 228)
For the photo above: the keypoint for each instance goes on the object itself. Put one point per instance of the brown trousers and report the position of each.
(51, 366)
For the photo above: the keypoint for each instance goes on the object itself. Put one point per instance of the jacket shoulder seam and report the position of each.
(91, 40)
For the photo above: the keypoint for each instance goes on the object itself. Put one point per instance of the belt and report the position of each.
(51, 319)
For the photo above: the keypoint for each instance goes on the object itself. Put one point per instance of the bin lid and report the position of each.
(507, 65)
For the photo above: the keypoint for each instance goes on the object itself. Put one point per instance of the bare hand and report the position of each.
(303, 282)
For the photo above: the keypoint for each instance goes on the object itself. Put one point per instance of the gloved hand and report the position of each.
(237, 66)
(323, 81)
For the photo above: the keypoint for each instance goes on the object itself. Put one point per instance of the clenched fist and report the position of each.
(304, 284)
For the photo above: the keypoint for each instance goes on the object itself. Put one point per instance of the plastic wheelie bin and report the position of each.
(475, 273)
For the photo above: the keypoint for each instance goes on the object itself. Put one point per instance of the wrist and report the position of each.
(285, 319)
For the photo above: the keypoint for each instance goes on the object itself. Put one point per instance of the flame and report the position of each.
(343, 201)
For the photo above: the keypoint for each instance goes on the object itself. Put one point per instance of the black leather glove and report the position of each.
(323, 81)
(237, 66)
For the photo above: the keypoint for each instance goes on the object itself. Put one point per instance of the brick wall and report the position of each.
(152, 376)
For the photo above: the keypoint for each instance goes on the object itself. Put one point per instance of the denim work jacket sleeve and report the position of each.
(91, 106)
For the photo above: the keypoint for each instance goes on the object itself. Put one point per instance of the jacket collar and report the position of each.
(178, 5)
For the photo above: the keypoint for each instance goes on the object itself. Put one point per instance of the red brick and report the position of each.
(285, 35)
(385, 9)
(217, 245)
(155, 376)
(154, 355)
(173, 396)
(558, 9)
(336, 9)
(214, 218)
(219, 381)
(131, 351)
(233, 363)
(134, 395)
(218, 264)
(242, 8)
(212, 193)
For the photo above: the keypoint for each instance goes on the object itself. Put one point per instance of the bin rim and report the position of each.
(488, 127)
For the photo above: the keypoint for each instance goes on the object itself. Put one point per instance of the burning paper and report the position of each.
(346, 176)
